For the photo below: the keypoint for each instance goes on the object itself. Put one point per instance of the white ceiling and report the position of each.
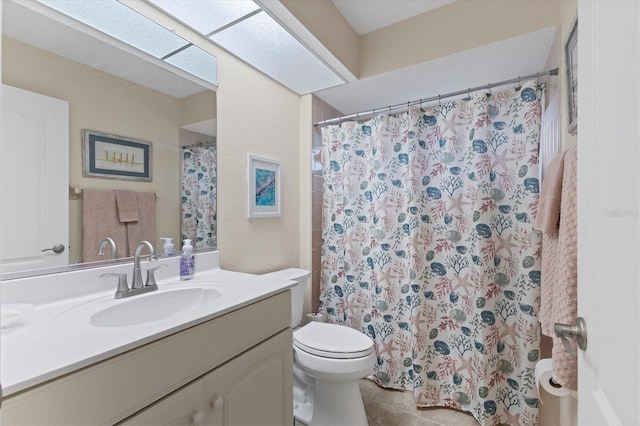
(507, 59)
(365, 16)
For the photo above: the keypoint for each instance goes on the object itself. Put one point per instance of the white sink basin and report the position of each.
(155, 306)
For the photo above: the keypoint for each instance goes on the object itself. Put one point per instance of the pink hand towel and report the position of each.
(100, 220)
(145, 227)
(127, 206)
(548, 216)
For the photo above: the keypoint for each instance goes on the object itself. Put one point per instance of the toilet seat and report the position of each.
(332, 341)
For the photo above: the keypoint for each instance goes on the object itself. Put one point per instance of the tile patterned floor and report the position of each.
(387, 407)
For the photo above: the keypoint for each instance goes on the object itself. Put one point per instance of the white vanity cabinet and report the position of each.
(248, 390)
(233, 369)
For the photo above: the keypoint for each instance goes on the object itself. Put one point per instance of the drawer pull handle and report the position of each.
(197, 418)
(217, 403)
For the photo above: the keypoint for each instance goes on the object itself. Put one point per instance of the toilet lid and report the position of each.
(332, 341)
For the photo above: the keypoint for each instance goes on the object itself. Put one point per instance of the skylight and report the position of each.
(241, 27)
(206, 16)
(248, 32)
(123, 23)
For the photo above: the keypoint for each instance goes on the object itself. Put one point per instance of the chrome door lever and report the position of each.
(577, 332)
(57, 248)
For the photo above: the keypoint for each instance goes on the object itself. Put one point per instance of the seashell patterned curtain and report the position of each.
(199, 196)
(429, 249)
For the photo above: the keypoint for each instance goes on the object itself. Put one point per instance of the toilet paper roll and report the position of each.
(543, 374)
(315, 317)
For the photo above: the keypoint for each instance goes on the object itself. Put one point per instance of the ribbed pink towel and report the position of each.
(560, 277)
(127, 206)
(548, 215)
(100, 220)
(145, 228)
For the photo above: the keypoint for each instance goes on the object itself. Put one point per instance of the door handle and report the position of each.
(57, 248)
(577, 332)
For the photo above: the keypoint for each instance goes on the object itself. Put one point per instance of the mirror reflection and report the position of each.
(145, 115)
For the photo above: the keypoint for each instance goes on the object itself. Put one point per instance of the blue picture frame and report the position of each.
(264, 187)
(110, 156)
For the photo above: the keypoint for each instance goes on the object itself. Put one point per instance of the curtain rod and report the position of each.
(434, 98)
(193, 145)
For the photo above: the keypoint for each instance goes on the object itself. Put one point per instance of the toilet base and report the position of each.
(331, 403)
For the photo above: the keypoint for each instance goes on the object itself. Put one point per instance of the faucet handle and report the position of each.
(122, 283)
(151, 278)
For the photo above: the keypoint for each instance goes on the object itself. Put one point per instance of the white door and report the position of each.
(34, 198)
(608, 215)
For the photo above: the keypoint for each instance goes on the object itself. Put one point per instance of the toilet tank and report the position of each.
(301, 276)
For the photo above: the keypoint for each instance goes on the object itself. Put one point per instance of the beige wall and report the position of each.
(456, 27)
(198, 107)
(256, 116)
(459, 26)
(328, 25)
(102, 102)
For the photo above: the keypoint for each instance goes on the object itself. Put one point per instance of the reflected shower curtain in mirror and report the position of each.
(199, 197)
(428, 248)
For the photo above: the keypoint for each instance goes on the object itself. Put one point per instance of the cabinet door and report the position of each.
(184, 407)
(256, 388)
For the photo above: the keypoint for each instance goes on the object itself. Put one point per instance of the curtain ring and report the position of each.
(439, 101)
(469, 92)
(420, 102)
(389, 109)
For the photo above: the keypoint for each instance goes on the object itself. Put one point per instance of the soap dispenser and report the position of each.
(187, 261)
(168, 247)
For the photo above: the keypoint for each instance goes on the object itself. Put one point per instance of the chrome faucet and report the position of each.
(103, 247)
(136, 286)
(137, 273)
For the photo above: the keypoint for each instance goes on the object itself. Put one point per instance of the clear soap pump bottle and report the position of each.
(187, 261)
(168, 246)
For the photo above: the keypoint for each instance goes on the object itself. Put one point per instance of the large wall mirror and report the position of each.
(106, 87)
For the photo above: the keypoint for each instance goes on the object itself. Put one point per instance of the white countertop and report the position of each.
(55, 338)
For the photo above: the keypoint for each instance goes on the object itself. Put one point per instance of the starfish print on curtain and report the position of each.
(428, 248)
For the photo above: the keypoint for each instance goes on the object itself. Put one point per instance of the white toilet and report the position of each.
(328, 361)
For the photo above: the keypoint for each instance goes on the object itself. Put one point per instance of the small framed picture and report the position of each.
(264, 187)
(115, 157)
(571, 63)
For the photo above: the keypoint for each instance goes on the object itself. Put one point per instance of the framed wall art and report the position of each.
(571, 64)
(264, 185)
(115, 157)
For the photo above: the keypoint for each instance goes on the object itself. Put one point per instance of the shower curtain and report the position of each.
(428, 248)
(199, 197)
